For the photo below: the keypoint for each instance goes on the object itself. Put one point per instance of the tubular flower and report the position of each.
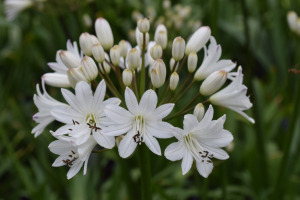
(45, 103)
(211, 62)
(234, 96)
(72, 155)
(85, 115)
(141, 122)
(199, 140)
(59, 78)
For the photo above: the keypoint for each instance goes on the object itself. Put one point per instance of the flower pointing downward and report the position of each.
(142, 122)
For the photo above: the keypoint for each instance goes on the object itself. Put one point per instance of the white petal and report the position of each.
(105, 141)
(118, 114)
(85, 149)
(83, 138)
(187, 162)
(65, 114)
(99, 95)
(175, 151)
(59, 161)
(152, 143)
(148, 102)
(72, 100)
(161, 112)
(220, 139)
(131, 101)
(207, 117)
(178, 133)
(60, 147)
(217, 152)
(189, 123)
(74, 169)
(56, 80)
(159, 129)
(116, 130)
(63, 130)
(127, 145)
(113, 100)
(85, 164)
(84, 95)
(204, 168)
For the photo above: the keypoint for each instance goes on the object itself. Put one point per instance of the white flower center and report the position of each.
(196, 149)
(91, 120)
(73, 158)
(139, 126)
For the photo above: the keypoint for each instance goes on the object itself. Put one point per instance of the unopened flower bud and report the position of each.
(160, 36)
(106, 66)
(87, 20)
(69, 59)
(199, 111)
(292, 20)
(139, 38)
(192, 62)
(158, 73)
(174, 81)
(213, 82)
(124, 48)
(104, 33)
(178, 48)
(75, 75)
(89, 68)
(198, 40)
(156, 52)
(133, 59)
(119, 139)
(115, 55)
(98, 53)
(143, 25)
(127, 77)
(86, 43)
(172, 63)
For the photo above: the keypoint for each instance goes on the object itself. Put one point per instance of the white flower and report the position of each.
(292, 20)
(198, 40)
(211, 61)
(72, 155)
(14, 7)
(86, 114)
(234, 96)
(59, 78)
(104, 33)
(201, 141)
(45, 103)
(142, 122)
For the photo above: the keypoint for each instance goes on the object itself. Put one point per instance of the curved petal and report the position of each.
(72, 100)
(175, 151)
(63, 130)
(84, 95)
(56, 80)
(219, 139)
(99, 95)
(204, 168)
(127, 145)
(161, 112)
(189, 123)
(105, 141)
(148, 102)
(116, 130)
(207, 117)
(178, 133)
(152, 143)
(74, 169)
(59, 161)
(159, 129)
(118, 114)
(131, 101)
(65, 114)
(187, 162)
(217, 152)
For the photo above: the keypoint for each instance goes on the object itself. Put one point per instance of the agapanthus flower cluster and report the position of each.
(136, 108)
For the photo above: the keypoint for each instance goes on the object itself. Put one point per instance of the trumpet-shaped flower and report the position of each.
(59, 78)
(85, 115)
(199, 140)
(45, 103)
(142, 122)
(234, 96)
(211, 62)
(72, 155)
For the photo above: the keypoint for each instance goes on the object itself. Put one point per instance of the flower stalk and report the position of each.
(144, 162)
(143, 72)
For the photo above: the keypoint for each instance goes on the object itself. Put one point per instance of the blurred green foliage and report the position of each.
(255, 34)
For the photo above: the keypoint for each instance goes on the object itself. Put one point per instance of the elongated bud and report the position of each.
(178, 48)
(127, 77)
(198, 40)
(133, 59)
(192, 62)
(106, 66)
(119, 139)
(174, 81)
(98, 53)
(172, 63)
(161, 38)
(75, 75)
(124, 48)
(139, 38)
(89, 68)
(213, 82)
(86, 43)
(199, 111)
(143, 25)
(104, 33)
(156, 52)
(158, 73)
(56, 80)
(69, 59)
(292, 20)
(115, 55)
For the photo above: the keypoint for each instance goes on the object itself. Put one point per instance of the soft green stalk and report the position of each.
(144, 160)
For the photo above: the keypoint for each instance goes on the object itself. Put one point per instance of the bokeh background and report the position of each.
(264, 158)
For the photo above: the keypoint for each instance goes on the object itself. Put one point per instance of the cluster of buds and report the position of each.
(293, 22)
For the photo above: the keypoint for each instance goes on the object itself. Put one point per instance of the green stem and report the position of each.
(182, 86)
(136, 81)
(282, 177)
(99, 151)
(144, 160)
(143, 73)
(182, 63)
(190, 85)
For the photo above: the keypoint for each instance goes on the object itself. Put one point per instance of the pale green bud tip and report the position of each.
(213, 82)
(133, 59)
(192, 62)
(69, 59)
(174, 81)
(199, 111)
(178, 48)
(98, 53)
(127, 77)
(115, 55)
(124, 46)
(143, 25)
(156, 52)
